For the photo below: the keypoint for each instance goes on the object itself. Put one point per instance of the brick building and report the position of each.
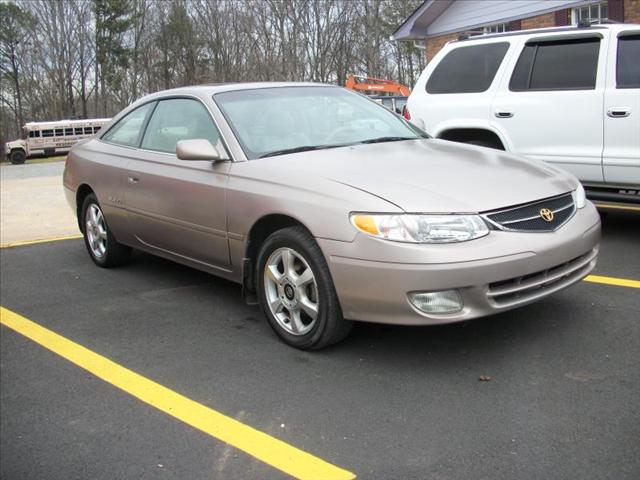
(436, 22)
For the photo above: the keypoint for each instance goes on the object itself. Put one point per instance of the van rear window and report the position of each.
(557, 65)
(467, 69)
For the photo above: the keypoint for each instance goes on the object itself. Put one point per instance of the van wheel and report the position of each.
(296, 292)
(102, 246)
(17, 157)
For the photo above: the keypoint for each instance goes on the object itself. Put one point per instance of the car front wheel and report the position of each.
(296, 292)
(102, 246)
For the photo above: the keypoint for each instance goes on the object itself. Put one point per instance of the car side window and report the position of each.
(628, 62)
(128, 130)
(557, 65)
(178, 119)
(467, 69)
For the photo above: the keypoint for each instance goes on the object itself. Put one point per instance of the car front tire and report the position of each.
(296, 292)
(102, 246)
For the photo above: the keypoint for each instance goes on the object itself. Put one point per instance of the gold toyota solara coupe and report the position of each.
(328, 208)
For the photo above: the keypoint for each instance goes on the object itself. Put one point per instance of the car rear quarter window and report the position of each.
(557, 65)
(128, 129)
(467, 69)
(628, 62)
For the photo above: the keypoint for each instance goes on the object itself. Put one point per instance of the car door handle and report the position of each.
(619, 112)
(504, 114)
(133, 179)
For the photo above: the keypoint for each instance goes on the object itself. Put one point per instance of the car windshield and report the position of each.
(281, 120)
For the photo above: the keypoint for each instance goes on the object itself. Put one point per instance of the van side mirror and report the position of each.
(197, 149)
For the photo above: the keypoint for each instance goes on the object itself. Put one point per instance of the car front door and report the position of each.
(621, 158)
(552, 104)
(176, 207)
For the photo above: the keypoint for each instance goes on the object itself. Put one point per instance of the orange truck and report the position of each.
(376, 86)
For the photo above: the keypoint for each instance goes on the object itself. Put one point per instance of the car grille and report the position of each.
(514, 291)
(528, 218)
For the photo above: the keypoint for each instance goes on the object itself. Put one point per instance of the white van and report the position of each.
(567, 95)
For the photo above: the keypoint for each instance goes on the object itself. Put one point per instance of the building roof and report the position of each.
(440, 17)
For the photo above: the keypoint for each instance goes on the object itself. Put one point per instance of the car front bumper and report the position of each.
(501, 271)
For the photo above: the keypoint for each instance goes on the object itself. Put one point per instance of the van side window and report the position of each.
(557, 65)
(467, 69)
(628, 62)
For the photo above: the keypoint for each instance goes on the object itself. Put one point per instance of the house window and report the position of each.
(497, 28)
(594, 13)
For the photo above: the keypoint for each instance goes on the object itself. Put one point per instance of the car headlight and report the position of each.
(414, 228)
(579, 196)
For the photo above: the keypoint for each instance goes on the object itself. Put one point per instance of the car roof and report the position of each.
(561, 30)
(213, 88)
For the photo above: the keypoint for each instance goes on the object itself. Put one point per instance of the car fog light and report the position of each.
(447, 301)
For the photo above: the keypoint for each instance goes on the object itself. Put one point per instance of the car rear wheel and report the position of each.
(17, 157)
(296, 292)
(102, 246)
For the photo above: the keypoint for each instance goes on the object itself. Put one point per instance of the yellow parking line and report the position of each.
(42, 240)
(270, 450)
(618, 282)
(618, 207)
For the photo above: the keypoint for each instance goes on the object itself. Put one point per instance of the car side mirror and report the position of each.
(197, 149)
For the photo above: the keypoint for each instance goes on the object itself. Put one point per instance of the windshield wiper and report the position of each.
(388, 139)
(304, 148)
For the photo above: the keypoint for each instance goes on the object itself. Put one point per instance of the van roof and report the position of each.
(536, 31)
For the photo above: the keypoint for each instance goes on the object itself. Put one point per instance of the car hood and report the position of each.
(433, 175)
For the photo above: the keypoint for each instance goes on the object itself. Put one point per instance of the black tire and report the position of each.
(115, 254)
(329, 327)
(17, 157)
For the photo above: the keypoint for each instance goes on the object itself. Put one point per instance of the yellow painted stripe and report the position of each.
(618, 207)
(270, 450)
(618, 282)
(42, 240)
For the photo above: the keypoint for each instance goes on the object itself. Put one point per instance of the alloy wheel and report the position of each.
(291, 291)
(96, 231)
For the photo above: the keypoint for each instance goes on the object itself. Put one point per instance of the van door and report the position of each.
(621, 158)
(552, 105)
(457, 87)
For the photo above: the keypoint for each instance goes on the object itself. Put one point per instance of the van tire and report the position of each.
(17, 157)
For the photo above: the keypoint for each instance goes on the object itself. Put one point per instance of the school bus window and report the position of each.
(47, 133)
(68, 131)
(59, 132)
(78, 131)
(87, 131)
(96, 129)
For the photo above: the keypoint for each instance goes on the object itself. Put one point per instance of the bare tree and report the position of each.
(93, 57)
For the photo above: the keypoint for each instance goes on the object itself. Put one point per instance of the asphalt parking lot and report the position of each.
(388, 403)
